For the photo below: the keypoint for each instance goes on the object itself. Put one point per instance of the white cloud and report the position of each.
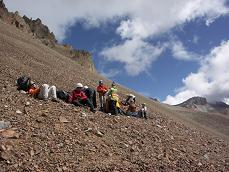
(111, 73)
(180, 52)
(139, 20)
(135, 54)
(210, 81)
(144, 18)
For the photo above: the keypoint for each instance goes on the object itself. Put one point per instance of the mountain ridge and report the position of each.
(201, 104)
(38, 30)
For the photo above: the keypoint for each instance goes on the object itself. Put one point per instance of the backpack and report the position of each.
(63, 95)
(23, 83)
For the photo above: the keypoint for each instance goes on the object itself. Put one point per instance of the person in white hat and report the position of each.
(129, 98)
(79, 98)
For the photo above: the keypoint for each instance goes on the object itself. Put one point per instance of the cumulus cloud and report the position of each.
(139, 21)
(180, 52)
(135, 54)
(210, 81)
(144, 18)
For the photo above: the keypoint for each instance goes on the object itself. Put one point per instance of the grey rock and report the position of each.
(4, 125)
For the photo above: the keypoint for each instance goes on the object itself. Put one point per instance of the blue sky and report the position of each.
(166, 73)
(171, 50)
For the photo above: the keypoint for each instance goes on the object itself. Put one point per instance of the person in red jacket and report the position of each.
(79, 98)
(102, 89)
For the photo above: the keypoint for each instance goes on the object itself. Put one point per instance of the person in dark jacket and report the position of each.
(79, 98)
(91, 95)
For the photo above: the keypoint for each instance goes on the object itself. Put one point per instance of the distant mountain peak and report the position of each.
(201, 104)
(194, 101)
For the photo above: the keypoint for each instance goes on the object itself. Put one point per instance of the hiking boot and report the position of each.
(93, 110)
(101, 109)
(56, 100)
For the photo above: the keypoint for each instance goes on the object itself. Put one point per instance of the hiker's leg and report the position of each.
(144, 113)
(121, 111)
(43, 94)
(107, 107)
(140, 113)
(114, 109)
(90, 98)
(78, 103)
(94, 99)
(101, 100)
(88, 103)
(52, 92)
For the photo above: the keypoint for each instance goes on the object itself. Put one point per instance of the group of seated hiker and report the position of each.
(85, 96)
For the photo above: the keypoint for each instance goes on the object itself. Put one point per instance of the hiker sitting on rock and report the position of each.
(132, 109)
(91, 95)
(142, 112)
(102, 90)
(113, 100)
(129, 98)
(79, 98)
(44, 92)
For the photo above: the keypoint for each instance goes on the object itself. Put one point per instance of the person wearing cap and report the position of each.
(142, 112)
(102, 90)
(113, 99)
(44, 92)
(129, 98)
(91, 95)
(79, 98)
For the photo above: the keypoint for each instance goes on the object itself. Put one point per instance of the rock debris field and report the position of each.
(47, 136)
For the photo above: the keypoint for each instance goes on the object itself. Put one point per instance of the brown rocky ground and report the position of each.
(48, 136)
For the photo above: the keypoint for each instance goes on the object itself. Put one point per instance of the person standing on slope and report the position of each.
(113, 99)
(102, 90)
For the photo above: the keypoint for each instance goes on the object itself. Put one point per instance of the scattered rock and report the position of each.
(88, 130)
(63, 119)
(27, 104)
(83, 114)
(10, 133)
(98, 133)
(4, 125)
(39, 120)
(32, 153)
(19, 112)
(206, 156)
(5, 156)
(159, 126)
(199, 164)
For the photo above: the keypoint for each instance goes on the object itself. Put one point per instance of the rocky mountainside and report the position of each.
(201, 104)
(50, 136)
(41, 32)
